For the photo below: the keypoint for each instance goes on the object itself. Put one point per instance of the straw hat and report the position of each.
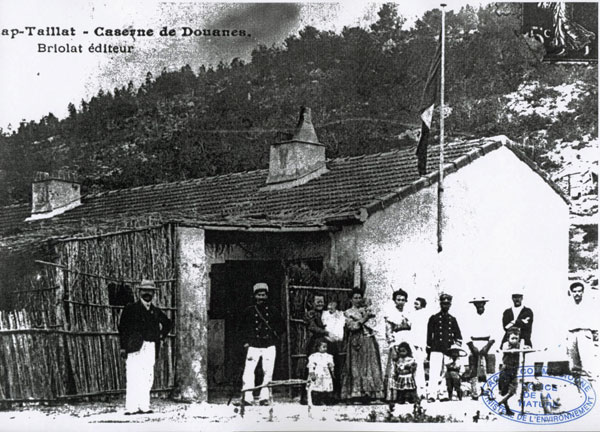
(480, 299)
(456, 348)
(147, 284)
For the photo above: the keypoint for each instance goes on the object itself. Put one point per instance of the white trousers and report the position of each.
(436, 387)
(581, 349)
(420, 355)
(140, 376)
(268, 363)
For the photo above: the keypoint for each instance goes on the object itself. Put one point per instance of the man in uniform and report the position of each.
(582, 329)
(262, 328)
(518, 316)
(442, 333)
(480, 341)
(141, 328)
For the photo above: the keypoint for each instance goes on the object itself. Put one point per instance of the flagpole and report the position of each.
(442, 82)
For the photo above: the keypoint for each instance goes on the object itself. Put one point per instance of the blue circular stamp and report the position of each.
(536, 398)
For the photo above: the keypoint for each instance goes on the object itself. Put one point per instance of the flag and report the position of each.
(430, 95)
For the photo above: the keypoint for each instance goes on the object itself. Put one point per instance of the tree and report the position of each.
(72, 110)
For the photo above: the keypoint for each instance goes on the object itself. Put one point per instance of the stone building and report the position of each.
(505, 225)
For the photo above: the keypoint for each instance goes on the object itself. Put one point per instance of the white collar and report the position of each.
(146, 304)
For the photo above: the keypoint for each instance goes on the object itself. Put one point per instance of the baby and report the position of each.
(334, 322)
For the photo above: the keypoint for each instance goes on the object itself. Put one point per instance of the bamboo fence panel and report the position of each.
(32, 364)
(128, 256)
(62, 339)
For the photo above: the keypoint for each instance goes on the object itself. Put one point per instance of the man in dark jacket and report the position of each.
(518, 316)
(141, 328)
(262, 328)
(442, 333)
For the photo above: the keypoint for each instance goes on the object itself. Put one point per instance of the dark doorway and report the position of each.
(230, 294)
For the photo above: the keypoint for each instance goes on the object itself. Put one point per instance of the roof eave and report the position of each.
(534, 167)
(431, 178)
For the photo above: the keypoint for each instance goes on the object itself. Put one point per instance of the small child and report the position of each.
(454, 371)
(334, 322)
(320, 374)
(507, 381)
(403, 381)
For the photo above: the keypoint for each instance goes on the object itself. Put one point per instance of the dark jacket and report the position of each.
(316, 330)
(525, 313)
(442, 332)
(152, 325)
(261, 326)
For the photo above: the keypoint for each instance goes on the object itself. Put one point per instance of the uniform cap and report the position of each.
(261, 286)
(444, 298)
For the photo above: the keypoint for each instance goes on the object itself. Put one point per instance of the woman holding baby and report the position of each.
(361, 376)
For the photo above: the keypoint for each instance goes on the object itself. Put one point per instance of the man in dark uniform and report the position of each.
(141, 328)
(518, 316)
(262, 328)
(442, 333)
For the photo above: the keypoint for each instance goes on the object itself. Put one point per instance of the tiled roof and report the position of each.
(12, 217)
(351, 189)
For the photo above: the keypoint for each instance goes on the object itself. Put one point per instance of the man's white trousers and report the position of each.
(140, 376)
(268, 363)
(437, 383)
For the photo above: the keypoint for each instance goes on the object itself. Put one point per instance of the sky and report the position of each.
(33, 83)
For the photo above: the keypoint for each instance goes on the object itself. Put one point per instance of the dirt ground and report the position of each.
(170, 415)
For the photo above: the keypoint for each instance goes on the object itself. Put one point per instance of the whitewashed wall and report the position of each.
(504, 228)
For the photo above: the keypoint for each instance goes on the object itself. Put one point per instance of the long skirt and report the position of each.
(362, 377)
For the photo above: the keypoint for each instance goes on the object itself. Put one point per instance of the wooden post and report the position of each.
(441, 180)
(523, 385)
(357, 275)
(287, 330)
(309, 399)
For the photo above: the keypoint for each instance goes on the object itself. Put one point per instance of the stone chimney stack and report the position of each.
(299, 160)
(53, 194)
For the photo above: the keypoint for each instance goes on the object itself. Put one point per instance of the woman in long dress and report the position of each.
(361, 377)
(397, 328)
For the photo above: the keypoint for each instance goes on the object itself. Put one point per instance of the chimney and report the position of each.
(53, 194)
(302, 158)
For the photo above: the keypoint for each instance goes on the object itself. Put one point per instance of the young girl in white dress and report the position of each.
(320, 375)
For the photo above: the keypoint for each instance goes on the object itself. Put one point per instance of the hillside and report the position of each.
(364, 86)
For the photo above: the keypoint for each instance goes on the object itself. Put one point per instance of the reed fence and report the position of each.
(300, 299)
(63, 339)
(33, 363)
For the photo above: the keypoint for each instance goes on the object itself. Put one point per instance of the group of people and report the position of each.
(343, 356)
(352, 368)
(354, 372)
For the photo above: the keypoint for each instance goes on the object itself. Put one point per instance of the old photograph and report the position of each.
(298, 216)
